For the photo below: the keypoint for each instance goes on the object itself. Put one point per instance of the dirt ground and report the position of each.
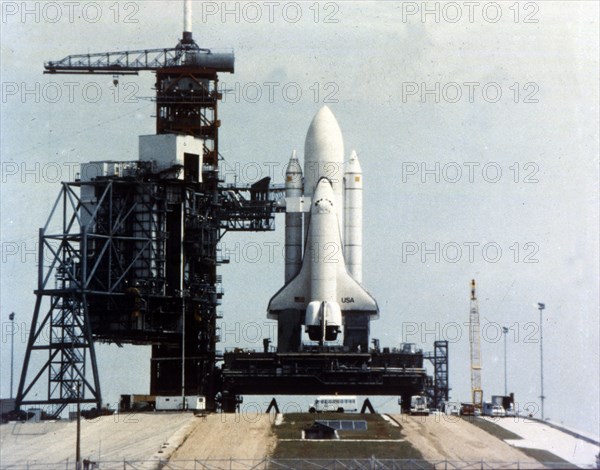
(440, 437)
(130, 436)
(228, 436)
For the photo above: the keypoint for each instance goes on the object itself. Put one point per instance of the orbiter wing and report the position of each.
(295, 295)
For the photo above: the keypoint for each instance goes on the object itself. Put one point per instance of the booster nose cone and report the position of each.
(353, 165)
(293, 164)
(293, 173)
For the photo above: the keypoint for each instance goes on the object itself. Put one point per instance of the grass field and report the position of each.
(378, 430)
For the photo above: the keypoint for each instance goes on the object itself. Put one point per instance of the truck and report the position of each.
(451, 408)
(467, 409)
(418, 405)
(493, 409)
(196, 403)
(506, 402)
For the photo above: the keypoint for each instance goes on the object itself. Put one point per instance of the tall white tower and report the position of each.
(475, 346)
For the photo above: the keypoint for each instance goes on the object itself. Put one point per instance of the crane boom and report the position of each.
(186, 54)
(132, 62)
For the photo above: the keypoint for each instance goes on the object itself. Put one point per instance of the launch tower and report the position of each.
(133, 245)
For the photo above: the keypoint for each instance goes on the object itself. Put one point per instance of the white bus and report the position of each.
(340, 404)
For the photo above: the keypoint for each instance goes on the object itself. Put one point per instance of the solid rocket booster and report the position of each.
(293, 218)
(353, 217)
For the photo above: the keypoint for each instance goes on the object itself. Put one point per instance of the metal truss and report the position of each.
(440, 388)
(60, 329)
(131, 62)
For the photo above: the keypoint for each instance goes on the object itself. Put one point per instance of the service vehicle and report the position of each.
(418, 405)
(340, 404)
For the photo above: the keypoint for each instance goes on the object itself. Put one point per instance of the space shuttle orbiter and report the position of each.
(323, 249)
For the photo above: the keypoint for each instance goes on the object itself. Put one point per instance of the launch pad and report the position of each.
(134, 256)
(314, 373)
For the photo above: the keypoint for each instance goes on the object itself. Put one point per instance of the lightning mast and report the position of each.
(475, 346)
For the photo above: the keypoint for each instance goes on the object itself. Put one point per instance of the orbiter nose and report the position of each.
(323, 199)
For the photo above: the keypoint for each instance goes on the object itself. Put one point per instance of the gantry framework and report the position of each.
(128, 258)
(440, 388)
(135, 258)
(61, 327)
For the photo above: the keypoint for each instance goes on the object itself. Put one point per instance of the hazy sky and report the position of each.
(477, 131)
